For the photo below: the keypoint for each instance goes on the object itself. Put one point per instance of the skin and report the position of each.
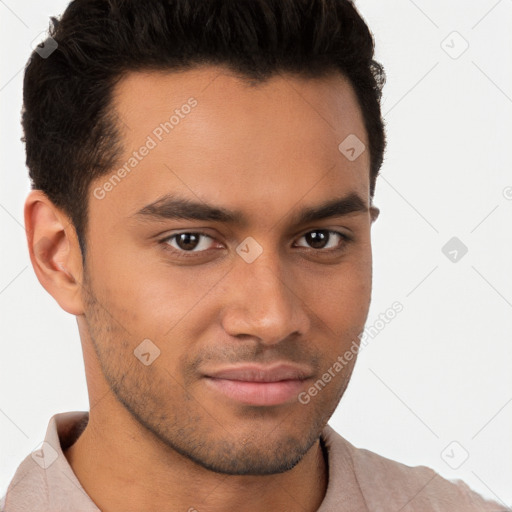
(158, 437)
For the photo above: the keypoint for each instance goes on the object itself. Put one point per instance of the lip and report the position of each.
(260, 373)
(259, 385)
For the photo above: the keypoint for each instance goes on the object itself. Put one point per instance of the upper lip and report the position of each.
(259, 373)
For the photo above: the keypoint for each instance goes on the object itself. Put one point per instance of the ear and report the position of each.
(54, 251)
(374, 213)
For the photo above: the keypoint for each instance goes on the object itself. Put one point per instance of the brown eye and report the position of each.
(188, 242)
(323, 239)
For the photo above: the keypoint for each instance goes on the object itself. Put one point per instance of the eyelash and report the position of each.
(180, 253)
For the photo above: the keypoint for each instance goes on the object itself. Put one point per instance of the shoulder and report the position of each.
(390, 485)
(27, 490)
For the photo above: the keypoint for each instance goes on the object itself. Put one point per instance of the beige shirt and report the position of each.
(359, 480)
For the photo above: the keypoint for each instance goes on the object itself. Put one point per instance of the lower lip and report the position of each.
(258, 393)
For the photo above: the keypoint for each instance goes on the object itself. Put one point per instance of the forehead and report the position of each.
(214, 137)
(286, 106)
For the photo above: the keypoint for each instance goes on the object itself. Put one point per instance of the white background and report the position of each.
(441, 370)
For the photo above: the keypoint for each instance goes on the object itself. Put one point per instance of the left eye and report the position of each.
(317, 239)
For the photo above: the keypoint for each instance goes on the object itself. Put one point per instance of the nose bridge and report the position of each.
(261, 301)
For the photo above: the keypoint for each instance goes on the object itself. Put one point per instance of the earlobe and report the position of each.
(374, 213)
(54, 251)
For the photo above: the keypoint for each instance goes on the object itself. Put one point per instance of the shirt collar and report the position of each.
(343, 490)
(45, 480)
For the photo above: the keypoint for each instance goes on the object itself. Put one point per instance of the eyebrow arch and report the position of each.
(173, 207)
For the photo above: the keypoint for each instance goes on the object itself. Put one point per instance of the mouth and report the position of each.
(259, 385)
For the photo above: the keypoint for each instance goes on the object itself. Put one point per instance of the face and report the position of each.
(220, 291)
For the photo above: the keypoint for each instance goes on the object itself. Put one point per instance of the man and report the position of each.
(203, 179)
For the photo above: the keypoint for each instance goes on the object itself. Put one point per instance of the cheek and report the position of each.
(153, 299)
(339, 294)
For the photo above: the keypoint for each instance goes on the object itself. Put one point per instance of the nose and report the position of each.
(261, 302)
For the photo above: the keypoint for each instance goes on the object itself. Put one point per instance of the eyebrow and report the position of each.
(173, 207)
